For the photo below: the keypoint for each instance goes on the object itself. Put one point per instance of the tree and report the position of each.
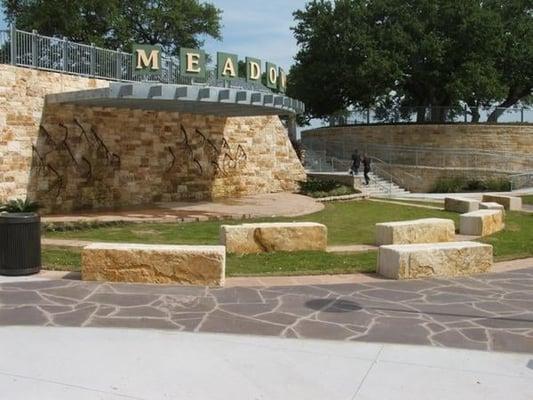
(119, 23)
(516, 60)
(391, 54)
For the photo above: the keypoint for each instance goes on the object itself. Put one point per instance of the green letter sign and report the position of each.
(146, 59)
(192, 63)
(227, 66)
(272, 75)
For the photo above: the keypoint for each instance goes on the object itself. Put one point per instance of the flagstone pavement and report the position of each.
(491, 312)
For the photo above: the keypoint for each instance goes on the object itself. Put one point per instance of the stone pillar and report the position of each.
(292, 126)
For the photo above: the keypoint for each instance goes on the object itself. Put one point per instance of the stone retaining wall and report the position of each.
(423, 179)
(430, 142)
(73, 157)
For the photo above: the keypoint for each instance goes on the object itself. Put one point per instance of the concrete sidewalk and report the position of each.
(76, 363)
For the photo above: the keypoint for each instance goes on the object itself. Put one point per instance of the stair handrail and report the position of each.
(515, 177)
(421, 152)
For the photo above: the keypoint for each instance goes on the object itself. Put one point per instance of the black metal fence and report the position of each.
(29, 49)
(436, 115)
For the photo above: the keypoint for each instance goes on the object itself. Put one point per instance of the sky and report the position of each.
(254, 28)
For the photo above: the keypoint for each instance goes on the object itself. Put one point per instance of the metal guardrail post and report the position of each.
(13, 45)
(34, 48)
(93, 60)
(118, 73)
(65, 54)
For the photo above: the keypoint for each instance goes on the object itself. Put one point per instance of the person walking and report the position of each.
(356, 163)
(366, 168)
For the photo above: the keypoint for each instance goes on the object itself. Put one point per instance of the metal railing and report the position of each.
(29, 49)
(436, 115)
(421, 156)
(521, 181)
(320, 162)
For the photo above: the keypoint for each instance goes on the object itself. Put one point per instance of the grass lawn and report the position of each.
(527, 199)
(300, 263)
(516, 241)
(347, 222)
(438, 204)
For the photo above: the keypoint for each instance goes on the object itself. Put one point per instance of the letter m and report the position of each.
(144, 61)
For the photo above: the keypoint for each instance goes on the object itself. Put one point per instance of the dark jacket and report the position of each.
(366, 163)
(356, 159)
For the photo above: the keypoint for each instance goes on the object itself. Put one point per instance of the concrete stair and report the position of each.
(378, 186)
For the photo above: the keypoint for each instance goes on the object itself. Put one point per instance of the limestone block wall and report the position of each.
(434, 144)
(422, 179)
(70, 157)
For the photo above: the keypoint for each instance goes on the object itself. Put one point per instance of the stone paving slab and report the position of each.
(485, 312)
(255, 206)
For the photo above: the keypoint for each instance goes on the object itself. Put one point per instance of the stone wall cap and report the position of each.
(481, 213)
(275, 225)
(500, 196)
(156, 247)
(461, 199)
(416, 222)
(402, 248)
(490, 204)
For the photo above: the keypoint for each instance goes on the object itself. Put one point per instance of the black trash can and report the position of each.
(20, 244)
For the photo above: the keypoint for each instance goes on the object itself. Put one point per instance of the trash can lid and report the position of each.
(19, 218)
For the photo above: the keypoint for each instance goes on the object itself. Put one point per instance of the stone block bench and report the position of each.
(460, 204)
(428, 230)
(126, 262)
(413, 261)
(491, 206)
(268, 237)
(481, 222)
(508, 202)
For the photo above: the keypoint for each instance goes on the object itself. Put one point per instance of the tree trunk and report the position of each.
(476, 116)
(421, 115)
(514, 96)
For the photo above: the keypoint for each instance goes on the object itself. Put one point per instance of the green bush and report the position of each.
(19, 206)
(462, 184)
(316, 188)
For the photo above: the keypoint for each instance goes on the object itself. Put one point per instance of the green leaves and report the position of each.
(119, 23)
(19, 206)
(438, 53)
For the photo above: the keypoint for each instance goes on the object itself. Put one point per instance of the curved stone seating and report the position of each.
(413, 261)
(491, 206)
(427, 230)
(481, 222)
(268, 237)
(127, 262)
(460, 204)
(508, 202)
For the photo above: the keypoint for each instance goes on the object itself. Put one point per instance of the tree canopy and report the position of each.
(391, 54)
(119, 23)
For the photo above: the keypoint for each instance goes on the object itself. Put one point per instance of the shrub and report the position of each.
(316, 188)
(20, 206)
(461, 184)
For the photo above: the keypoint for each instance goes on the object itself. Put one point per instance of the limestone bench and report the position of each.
(413, 261)
(460, 204)
(427, 230)
(126, 262)
(509, 202)
(268, 237)
(491, 206)
(481, 222)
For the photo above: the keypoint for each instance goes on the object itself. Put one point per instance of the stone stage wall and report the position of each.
(432, 145)
(73, 158)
